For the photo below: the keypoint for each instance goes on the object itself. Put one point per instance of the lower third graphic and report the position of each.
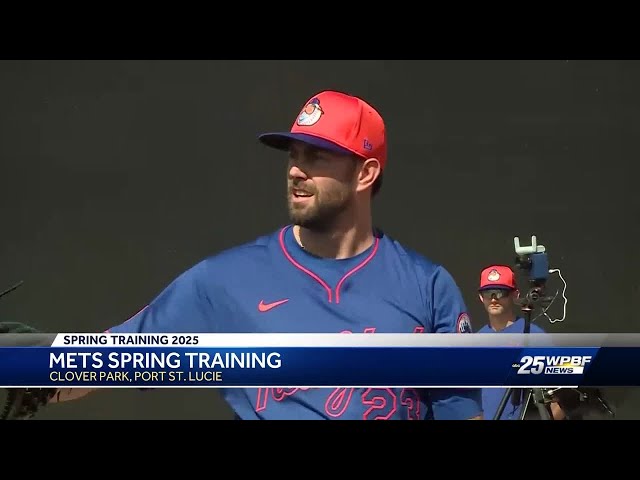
(552, 364)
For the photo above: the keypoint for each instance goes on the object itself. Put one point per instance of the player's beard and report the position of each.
(325, 209)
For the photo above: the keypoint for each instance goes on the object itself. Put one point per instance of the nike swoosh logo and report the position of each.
(265, 307)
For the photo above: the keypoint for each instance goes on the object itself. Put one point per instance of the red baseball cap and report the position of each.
(338, 122)
(497, 276)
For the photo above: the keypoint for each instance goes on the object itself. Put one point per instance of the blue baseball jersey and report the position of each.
(491, 397)
(273, 285)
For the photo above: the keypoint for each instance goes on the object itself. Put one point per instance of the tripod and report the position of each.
(524, 396)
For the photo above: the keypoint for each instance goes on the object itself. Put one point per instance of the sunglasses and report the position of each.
(498, 293)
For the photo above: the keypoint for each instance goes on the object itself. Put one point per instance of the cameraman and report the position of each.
(498, 293)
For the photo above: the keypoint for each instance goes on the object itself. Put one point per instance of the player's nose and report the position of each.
(296, 172)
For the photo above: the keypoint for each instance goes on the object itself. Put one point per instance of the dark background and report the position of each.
(116, 176)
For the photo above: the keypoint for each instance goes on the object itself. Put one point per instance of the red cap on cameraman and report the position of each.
(498, 276)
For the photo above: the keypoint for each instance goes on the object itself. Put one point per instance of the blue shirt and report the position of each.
(491, 397)
(273, 285)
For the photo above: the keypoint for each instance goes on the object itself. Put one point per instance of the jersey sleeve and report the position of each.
(182, 307)
(448, 309)
(449, 315)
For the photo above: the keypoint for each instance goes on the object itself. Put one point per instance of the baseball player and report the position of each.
(329, 271)
(499, 292)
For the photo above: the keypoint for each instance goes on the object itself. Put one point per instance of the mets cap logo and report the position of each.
(493, 276)
(310, 114)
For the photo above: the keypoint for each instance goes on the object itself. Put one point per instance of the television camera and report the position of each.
(576, 403)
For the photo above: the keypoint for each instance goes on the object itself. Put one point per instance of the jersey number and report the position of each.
(380, 403)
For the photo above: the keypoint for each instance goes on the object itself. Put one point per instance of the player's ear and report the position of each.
(369, 172)
(480, 297)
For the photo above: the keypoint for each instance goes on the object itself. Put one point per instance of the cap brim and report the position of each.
(282, 141)
(496, 287)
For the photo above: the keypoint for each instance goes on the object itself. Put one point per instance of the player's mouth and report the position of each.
(300, 195)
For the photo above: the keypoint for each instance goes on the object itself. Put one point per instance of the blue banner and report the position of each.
(179, 367)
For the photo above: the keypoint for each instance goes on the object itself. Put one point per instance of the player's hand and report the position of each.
(23, 403)
(17, 327)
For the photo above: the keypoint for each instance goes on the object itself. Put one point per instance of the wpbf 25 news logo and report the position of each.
(552, 364)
